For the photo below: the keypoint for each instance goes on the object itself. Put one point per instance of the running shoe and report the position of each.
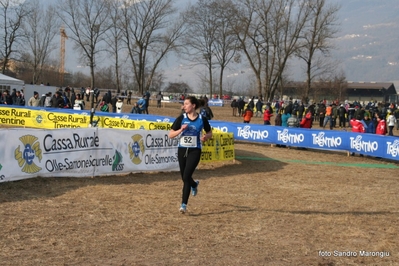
(183, 208)
(194, 190)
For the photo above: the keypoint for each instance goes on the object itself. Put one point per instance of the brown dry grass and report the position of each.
(272, 206)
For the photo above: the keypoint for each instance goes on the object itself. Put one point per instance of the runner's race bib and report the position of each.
(188, 141)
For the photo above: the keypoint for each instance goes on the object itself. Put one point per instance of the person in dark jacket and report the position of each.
(251, 103)
(113, 103)
(57, 101)
(322, 113)
(369, 124)
(342, 116)
(301, 111)
(234, 105)
(241, 105)
(259, 107)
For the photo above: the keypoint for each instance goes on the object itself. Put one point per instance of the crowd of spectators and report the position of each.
(367, 118)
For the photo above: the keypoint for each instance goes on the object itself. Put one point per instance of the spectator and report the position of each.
(284, 118)
(351, 112)
(13, 96)
(57, 101)
(113, 103)
(129, 97)
(369, 124)
(328, 116)
(241, 105)
(357, 125)
(334, 116)
(119, 105)
(391, 120)
(42, 100)
(104, 106)
(248, 114)
(267, 115)
(322, 113)
(48, 100)
(278, 120)
(18, 99)
(142, 103)
(301, 110)
(135, 109)
(307, 120)
(251, 103)
(381, 128)
(159, 99)
(293, 121)
(96, 93)
(342, 116)
(147, 100)
(234, 105)
(259, 107)
(87, 93)
(34, 100)
(79, 103)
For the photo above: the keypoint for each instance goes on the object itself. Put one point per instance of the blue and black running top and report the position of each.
(190, 138)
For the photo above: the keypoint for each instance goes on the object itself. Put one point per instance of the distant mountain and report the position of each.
(368, 41)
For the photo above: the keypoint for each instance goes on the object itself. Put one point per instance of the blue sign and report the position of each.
(215, 102)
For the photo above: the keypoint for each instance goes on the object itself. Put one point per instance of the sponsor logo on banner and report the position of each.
(119, 123)
(39, 118)
(61, 120)
(155, 147)
(393, 148)
(159, 126)
(15, 117)
(247, 133)
(286, 137)
(222, 129)
(136, 149)
(322, 141)
(117, 165)
(62, 147)
(360, 145)
(27, 155)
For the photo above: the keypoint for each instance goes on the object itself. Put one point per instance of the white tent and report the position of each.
(9, 83)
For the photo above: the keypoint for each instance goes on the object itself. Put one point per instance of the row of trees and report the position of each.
(263, 34)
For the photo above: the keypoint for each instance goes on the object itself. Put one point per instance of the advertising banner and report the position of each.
(84, 152)
(361, 143)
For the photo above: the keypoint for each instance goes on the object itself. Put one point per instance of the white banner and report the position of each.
(84, 152)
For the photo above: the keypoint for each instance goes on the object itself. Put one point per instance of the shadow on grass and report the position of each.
(47, 187)
(243, 209)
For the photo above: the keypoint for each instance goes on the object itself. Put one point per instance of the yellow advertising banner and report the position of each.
(219, 148)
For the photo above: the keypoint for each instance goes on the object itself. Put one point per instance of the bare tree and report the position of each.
(210, 35)
(88, 22)
(268, 31)
(40, 28)
(245, 24)
(320, 28)
(200, 36)
(12, 14)
(150, 32)
(114, 39)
